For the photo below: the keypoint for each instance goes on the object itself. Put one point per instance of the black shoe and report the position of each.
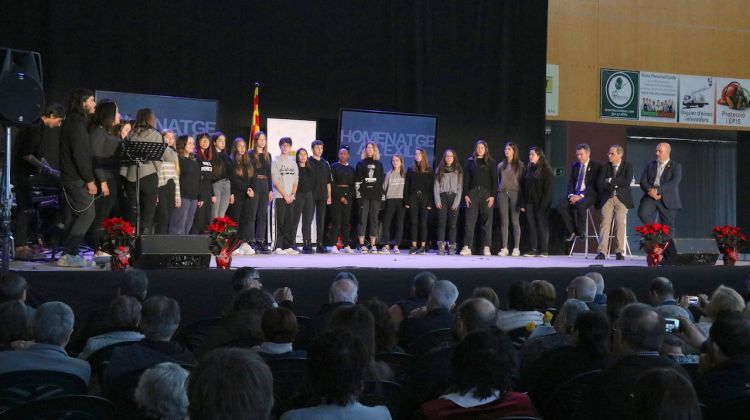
(421, 250)
(307, 249)
(412, 250)
(570, 237)
(619, 256)
(582, 236)
(600, 256)
(263, 249)
(321, 249)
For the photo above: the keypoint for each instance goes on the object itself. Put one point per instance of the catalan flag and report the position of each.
(256, 114)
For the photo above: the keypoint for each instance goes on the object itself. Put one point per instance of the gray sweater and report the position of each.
(507, 179)
(393, 185)
(152, 136)
(451, 182)
(285, 173)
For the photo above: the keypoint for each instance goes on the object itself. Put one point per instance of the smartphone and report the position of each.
(672, 325)
(693, 300)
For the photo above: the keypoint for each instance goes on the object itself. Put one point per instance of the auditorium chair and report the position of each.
(565, 401)
(25, 386)
(99, 361)
(69, 407)
(728, 410)
(194, 334)
(428, 341)
(289, 375)
(385, 393)
(401, 364)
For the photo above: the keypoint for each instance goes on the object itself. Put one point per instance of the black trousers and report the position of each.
(418, 214)
(81, 211)
(368, 211)
(341, 218)
(103, 208)
(447, 218)
(320, 220)
(303, 207)
(165, 208)
(240, 212)
(24, 208)
(574, 216)
(285, 228)
(537, 220)
(258, 212)
(149, 188)
(394, 207)
(478, 210)
(650, 208)
(202, 216)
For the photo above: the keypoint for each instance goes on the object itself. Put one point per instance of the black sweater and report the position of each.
(240, 183)
(321, 178)
(417, 182)
(306, 180)
(371, 176)
(261, 168)
(480, 173)
(106, 149)
(206, 169)
(221, 166)
(536, 186)
(190, 176)
(342, 175)
(76, 162)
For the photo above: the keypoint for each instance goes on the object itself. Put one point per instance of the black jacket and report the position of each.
(76, 161)
(536, 186)
(417, 182)
(590, 179)
(619, 184)
(480, 173)
(190, 177)
(321, 177)
(342, 175)
(726, 381)
(240, 183)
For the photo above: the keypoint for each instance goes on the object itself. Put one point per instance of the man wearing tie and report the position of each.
(615, 199)
(661, 183)
(581, 192)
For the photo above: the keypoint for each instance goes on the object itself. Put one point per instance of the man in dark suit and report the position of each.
(614, 199)
(437, 315)
(661, 183)
(582, 192)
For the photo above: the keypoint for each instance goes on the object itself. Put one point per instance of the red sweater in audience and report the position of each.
(511, 404)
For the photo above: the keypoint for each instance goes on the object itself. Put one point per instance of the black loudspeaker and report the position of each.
(691, 251)
(21, 92)
(172, 251)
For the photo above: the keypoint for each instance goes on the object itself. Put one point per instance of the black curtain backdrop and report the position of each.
(478, 65)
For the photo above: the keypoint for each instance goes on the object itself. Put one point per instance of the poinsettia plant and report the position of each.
(118, 241)
(653, 235)
(729, 237)
(223, 234)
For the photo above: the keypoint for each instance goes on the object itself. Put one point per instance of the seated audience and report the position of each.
(722, 299)
(436, 315)
(124, 317)
(134, 283)
(545, 296)
(245, 278)
(13, 287)
(279, 327)
(618, 299)
(639, 334)
(726, 367)
(420, 291)
(664, 394)
(52, 327)
(336, 368)
(672, 348)
(386, 332)
(661, 293)
(230, 384)
(343, 292)
(16, 325)
(521, 311)
(359, 322)
(601, 297)
(584, 289)
(482, 384)
(487, 293)
(162, 392)
(562, 333)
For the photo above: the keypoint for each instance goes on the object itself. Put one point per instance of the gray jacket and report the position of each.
(148, 168)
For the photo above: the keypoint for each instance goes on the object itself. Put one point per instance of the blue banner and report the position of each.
(181, 115)
(393, 133)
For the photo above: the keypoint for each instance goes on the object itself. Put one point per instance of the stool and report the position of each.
(626, 250)
(586, 234)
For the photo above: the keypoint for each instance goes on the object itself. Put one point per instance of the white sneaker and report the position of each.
(373, 249)
(396, 250)
(75, 261)
(486, 252)
(334, 250)
(363, 249)
(246, 249)
(503, 252)
(516, 252)
(237, 252)
(291, 251)
(348, 250)
(279, 251)
(465, 251)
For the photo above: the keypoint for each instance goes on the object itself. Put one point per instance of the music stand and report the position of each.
(137, 153)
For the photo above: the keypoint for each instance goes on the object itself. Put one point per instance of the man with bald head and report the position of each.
(584, 289)
(660, 181)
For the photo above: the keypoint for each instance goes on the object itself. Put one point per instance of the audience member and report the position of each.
(245, 278)
(601, 297)
(672, 348)
(359, 322)
(134, 283)
(661, 293)
(487, 293)
(16, 324)
(279, 327)
(420, 291)
(722, 299)
(437, 314)
(13, 287)
(162, 392)
(664, 394)
(343, 292)
(482, 384)
(124, 318)
(545, 296)
(52, 327)
(230, 384)
(562, 334)
(584, 289)
(386, 332)
(336, 368)
(521, 308)
(618, 299)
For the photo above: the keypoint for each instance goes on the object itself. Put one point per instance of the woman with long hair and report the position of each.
(221, 169)
(393, 186)
(190, 192)
(536, 188)
(370, 176)
(342, 199)
(144, 130)
(303, 205)
(448, 186)
(480, 189)
(509, 175)
(105, 149)
(204, 155)
(169, 184)
(260, 159)
(241, 177)
(419, 199)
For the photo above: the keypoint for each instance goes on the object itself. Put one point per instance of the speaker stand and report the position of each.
(6, 207)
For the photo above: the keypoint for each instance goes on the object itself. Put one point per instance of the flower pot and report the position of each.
(224, 260)
(120, 259)
(730, 256)
(654, 255)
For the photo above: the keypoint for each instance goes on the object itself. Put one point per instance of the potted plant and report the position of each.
(118, 241)
(654, 238)
(224, 240)
(729, 238)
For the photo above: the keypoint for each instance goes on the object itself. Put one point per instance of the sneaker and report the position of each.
(465, 251)
(530, 254)
(503, 252)
(237, 252)
(421, 250)
(373, 249)
(452, 249)
(385, 250)
(516, 252)
(363, 249)
(570, 237)
(76, 261)
(246, 249)
(291, 251)
(486, 251)
(321, 249)
(543, 255)
(396, 250)
(348, 250)
(412, 250)
(307, 249)
(441, 248)
(335, 250)
(279, 251)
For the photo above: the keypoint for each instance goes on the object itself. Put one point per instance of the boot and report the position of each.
(452, 249)
(441, 248)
